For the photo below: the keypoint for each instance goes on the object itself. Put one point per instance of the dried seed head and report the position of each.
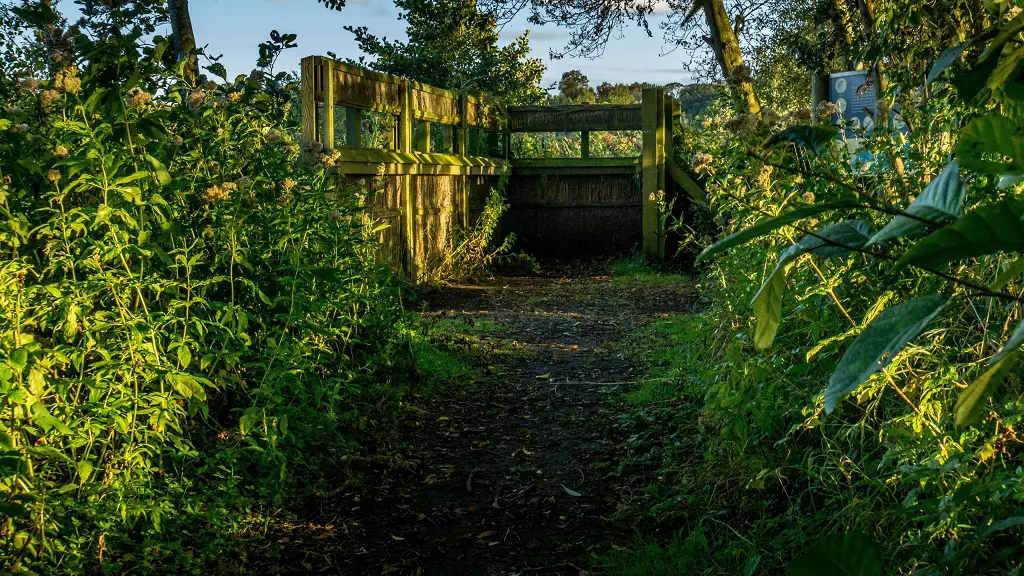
(53, 175)
(808, 197)
(138, 97)
(215, 194)
(274, 136)
(196, 98)
(61, 152)
(235, 96)
(288, 184)
(49, 97)
(30, 84)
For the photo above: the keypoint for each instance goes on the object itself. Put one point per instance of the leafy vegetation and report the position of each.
(188, 308)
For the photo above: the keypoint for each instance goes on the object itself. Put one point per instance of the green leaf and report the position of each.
(989, 136)
(949, 55)
(940, 201)
(1014, 270)
(849, 235)
(162, 175)
(84, 468)
(879, 343)
(12, 509)
(987, 230)
(571, 492)
(184, 356)
(970, 403)
(12, 463)
(18, 359)
(817, 138)
(765, 226)
(850, 554)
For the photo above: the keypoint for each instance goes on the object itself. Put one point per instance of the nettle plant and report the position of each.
(187, 301)
(933, 231)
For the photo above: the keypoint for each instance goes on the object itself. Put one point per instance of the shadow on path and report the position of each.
(517, 472)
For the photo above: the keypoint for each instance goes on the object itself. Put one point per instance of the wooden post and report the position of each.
(308, 84)
(463, 139)
(327, 137)
(506, 140)
(405, 122)
(819, 94)
(491, 143)
(354, 127)
(585, 144)
(423, 137)
(653, 161)
(447, 139)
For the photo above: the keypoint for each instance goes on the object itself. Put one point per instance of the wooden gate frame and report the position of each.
(325, 80)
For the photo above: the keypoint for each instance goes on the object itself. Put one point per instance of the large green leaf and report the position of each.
(765, 226)
(987, 230)
(971, 401)
(817, 138)
(1012, 272)
(850, 554)
(949, 55)
(879, 343)
(992, 144)
(831, 241)
(940, 201)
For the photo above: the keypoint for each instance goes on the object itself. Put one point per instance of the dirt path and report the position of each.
(516, 473)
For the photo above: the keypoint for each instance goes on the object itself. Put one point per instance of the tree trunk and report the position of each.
(183, 36)
(867, 18)
(844, 28)
(726, 46)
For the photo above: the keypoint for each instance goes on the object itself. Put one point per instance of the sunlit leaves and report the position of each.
(770, 224)
(942, 200)
(987, 230)
(973, 397)
(830, 241)
(879, 344)
(947, 58)
(815, 138)
(992, 144)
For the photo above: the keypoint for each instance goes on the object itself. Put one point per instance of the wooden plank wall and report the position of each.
(572, 206)
(423, 195)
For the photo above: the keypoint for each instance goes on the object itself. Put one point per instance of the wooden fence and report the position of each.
(441, 152)
(432, 176)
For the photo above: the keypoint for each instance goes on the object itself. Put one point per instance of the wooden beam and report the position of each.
(327, 71)
(405, 123)
(423, 137)
(447, 139)
(491, 139)
(599, 162)
(575, 118)
(692, 189)
(585, 144)
(653, 163)
(353, 127)
(308, 85)
(463, 138)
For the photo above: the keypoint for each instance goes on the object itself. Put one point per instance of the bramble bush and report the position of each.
(190, 315)
(856, 373)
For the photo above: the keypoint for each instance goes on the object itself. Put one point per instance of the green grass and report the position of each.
(469, 325)
(668, 345)
(439, 366)
(679, 556)
(634, 268)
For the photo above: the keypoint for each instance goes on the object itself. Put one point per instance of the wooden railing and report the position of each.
(442, 152)
(422, 191)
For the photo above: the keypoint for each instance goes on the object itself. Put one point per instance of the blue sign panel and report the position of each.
(855, 99)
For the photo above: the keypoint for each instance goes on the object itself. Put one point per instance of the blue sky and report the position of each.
(235, 27)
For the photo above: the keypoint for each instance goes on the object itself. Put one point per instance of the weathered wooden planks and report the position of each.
(575, 118)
